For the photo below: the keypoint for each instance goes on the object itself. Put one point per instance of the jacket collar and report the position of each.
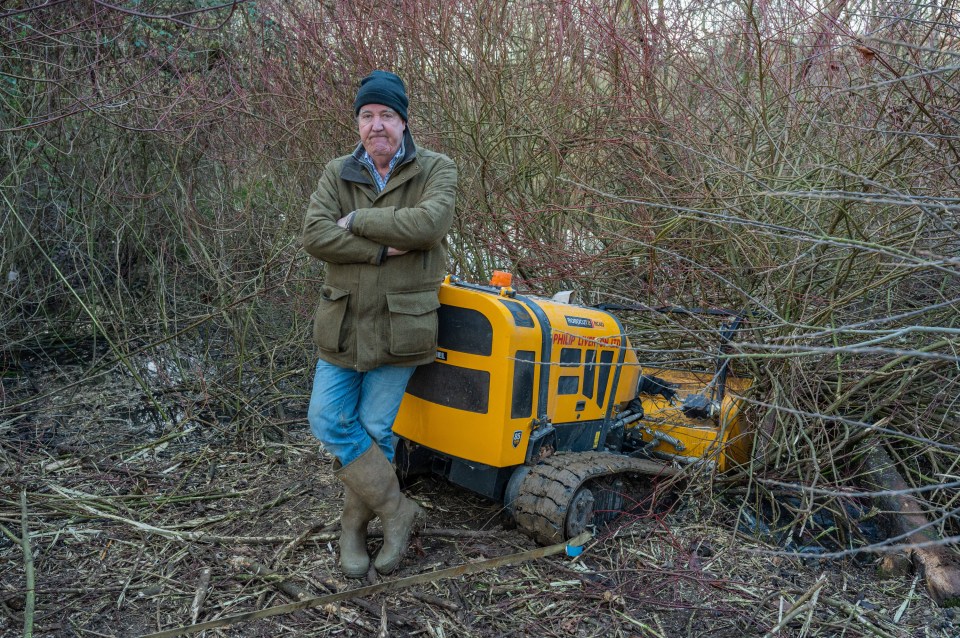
(354, 171)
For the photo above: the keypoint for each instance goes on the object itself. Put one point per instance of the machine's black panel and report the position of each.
(521, 406)
(451, 386)
(576, 437)
(568, 385)
(546, 347)
(520, 315)
(606, 358)
(589, 373)
(607, 422)
(411, 459)
(483, 479)
(464, 330)
(570, 356)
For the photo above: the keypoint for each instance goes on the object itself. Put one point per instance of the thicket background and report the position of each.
(796, 159)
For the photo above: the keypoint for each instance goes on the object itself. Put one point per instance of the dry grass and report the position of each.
(124, 524)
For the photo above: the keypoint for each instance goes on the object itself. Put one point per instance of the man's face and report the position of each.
(381, 131)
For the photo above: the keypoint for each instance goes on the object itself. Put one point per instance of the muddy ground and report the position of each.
(150, 506)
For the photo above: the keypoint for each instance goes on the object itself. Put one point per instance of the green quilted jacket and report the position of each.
(377, 310)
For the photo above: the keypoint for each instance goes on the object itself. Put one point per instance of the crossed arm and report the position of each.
(370, 235)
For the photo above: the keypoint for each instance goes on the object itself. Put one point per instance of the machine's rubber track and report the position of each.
(545, 494)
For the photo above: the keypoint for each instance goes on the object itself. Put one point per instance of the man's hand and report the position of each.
(344, 222)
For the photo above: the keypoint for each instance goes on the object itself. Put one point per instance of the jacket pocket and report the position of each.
(413, 322)
(328, 319)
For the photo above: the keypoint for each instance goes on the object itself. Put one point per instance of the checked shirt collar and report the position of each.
(381, 182)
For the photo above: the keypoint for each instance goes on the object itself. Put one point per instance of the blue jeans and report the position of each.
(351, 410)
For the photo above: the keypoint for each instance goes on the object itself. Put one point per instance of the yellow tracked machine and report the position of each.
(542, 405)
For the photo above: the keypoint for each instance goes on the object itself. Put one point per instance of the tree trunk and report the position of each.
(938, 563)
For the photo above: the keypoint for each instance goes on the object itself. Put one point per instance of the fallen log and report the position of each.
(938, 564)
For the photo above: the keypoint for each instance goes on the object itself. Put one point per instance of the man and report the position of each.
(378, 218)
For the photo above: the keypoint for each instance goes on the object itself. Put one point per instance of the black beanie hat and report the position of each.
(382, 87)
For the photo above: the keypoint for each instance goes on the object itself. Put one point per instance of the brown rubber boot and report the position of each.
(373, 479)
(354, 559)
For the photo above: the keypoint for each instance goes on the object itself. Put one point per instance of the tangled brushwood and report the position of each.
(795, 163)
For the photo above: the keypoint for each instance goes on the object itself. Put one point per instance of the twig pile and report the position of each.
(198, 530)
